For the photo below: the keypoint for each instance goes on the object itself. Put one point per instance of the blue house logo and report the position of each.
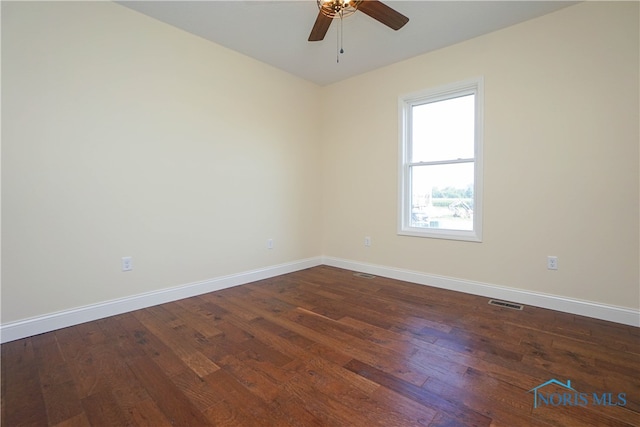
(545, 398)
(569, 396)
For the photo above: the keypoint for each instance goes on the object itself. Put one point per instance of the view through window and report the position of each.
(440, 162)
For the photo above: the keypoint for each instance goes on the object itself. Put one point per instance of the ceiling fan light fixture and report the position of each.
(331, 9)
(338, 8)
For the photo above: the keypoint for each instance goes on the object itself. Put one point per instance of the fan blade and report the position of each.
(320, 28)
(383, 13)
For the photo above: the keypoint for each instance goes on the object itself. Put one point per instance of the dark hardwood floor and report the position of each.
(321, 347)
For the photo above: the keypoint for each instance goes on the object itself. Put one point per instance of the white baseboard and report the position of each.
(611, 313)
(50, 322)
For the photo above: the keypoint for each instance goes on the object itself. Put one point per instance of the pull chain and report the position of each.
(341, 33)
(338, 43)
(339, 39)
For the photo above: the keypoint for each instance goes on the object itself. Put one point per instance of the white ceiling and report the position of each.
(276, 32)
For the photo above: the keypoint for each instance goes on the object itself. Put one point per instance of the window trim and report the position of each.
(405, 103)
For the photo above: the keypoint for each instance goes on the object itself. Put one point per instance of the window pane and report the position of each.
(442, 196)
(443, 130)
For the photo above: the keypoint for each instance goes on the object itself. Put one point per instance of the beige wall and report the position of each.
(125, 136)
(561, 158)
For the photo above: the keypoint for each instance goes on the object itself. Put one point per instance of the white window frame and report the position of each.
(406, 102)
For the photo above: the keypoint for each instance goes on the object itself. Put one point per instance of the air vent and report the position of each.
(364, 275)
(505, 304)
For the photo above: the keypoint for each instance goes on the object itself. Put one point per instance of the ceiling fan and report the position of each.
(331, 9)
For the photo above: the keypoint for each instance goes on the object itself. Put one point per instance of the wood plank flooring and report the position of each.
(322, 347)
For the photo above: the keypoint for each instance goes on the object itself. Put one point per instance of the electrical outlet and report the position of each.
(367, 241)
(552, 263)
(269, 243)
(127, 263)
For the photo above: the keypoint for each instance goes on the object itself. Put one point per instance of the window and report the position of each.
(441, 162)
